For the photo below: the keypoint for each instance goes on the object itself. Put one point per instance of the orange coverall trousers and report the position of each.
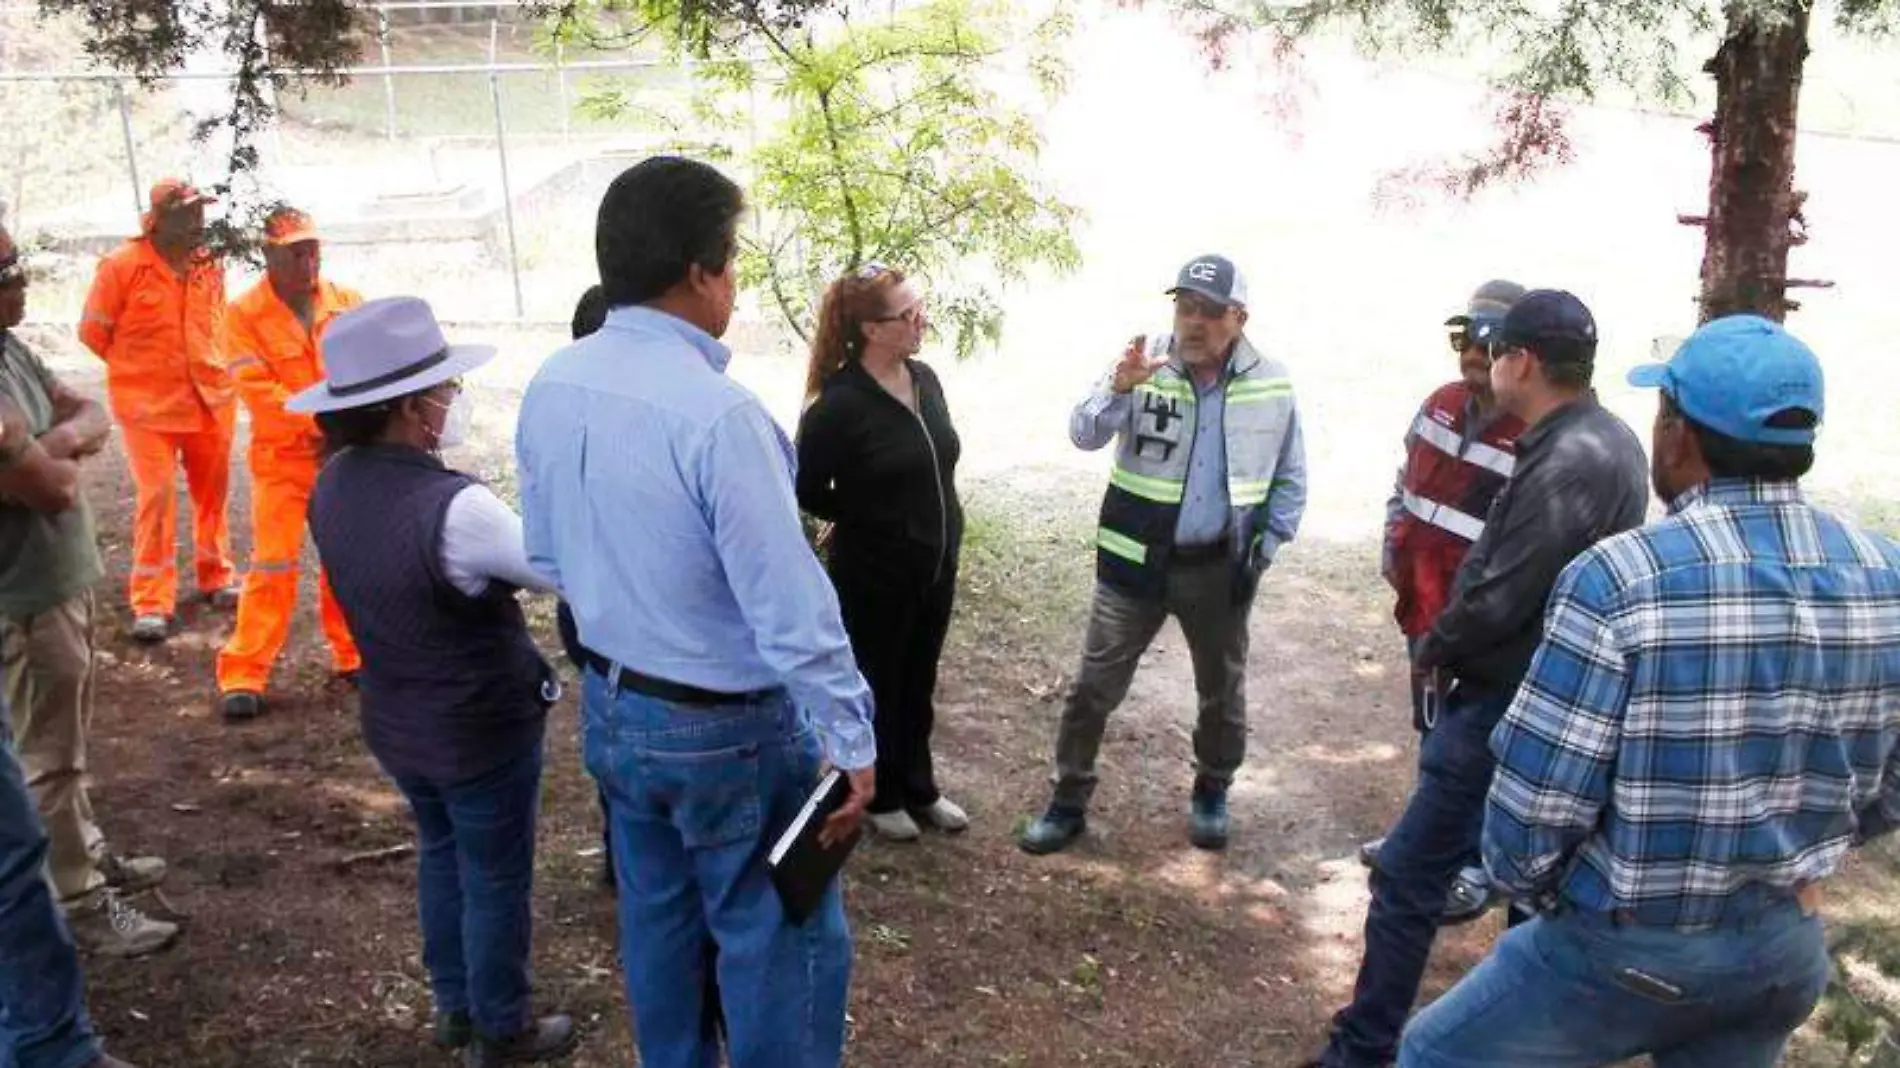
(154, 457)
(280, 498)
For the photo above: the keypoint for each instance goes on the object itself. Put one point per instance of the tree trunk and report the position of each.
(1754, 211)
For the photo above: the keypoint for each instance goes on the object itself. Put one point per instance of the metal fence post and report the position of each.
(389, 80)
(560, 74)
(501, 152)
(131, 147)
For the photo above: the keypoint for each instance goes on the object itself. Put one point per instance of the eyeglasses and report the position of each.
(12, 272)
(909, 315)
(1198, 307)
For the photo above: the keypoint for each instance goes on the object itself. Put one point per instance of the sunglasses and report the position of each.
(12, 272)
(870, 270)
(1460, 340)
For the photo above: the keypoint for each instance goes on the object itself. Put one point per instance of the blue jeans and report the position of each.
(698, 795)
(43, 1022)
(1417, 864)
(474, 885)
(1559, 993)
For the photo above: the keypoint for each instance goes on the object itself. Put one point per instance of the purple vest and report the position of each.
(451, 684)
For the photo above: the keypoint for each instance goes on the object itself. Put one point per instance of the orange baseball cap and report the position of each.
(177, 193)
(288, 226)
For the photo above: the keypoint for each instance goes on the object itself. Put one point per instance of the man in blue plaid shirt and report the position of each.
(1707, 728)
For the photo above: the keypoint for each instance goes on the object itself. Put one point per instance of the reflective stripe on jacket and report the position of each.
(1453, 470)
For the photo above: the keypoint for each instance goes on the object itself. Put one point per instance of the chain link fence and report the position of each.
(457, 163)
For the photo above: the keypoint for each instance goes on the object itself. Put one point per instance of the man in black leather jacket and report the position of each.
(1581, 476)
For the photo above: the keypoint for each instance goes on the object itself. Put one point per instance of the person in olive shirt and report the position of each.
(877, 458)
(48, 564)
(1580, 477)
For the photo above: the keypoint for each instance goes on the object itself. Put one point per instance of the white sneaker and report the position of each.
(946, 816)
(897, 826)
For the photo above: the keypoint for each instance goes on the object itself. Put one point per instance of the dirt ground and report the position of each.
(1133, 950)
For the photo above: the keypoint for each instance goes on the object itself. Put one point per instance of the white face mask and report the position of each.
(456, 421)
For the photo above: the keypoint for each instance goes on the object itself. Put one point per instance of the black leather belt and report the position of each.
(659, 689)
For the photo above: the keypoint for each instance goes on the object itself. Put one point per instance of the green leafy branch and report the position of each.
(892, 140)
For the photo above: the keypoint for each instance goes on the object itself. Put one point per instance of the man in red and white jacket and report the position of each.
(1458, 455)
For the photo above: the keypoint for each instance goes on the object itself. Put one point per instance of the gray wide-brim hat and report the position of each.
(384, 349)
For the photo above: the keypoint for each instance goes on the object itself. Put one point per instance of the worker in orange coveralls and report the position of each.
(153, 316)
(272, 335)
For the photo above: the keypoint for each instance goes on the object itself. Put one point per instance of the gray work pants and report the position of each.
(1200, 597)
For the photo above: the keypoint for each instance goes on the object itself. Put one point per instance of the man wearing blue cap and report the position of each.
(1578, 478)
(1209, 481)
(1707, 729)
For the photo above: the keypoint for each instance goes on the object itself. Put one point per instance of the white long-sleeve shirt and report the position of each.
(482, 542)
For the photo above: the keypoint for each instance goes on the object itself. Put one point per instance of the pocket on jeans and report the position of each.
(715, 794)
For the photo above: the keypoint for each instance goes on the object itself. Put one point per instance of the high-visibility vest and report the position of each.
(1451, 477)
(1149, 479)
(158, 334)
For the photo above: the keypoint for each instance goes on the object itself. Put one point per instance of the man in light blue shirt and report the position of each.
(1209, 481)
(657, 494)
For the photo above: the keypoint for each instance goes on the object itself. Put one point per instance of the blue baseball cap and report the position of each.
(1214, 277)
(1736, 374)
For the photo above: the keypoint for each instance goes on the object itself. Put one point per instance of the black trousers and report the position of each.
(897, 630)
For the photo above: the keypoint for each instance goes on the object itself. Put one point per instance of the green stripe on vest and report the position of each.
(1159, 490)
(1121, 545)
(1177, 388)
(1248, 493)
(1255, 390)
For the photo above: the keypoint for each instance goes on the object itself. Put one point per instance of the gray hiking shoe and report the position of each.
(129, 875)
(108, 925)
(150, 630)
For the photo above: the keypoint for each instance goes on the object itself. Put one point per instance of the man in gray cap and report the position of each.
(1209, 481)
(1459, 452)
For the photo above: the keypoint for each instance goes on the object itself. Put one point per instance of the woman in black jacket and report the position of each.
(877, 458)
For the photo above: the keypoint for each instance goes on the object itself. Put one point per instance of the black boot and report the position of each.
(546, 1039)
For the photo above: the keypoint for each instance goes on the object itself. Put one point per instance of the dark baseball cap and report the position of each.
(1213, 277)
(1736, 374)
(1546, 315)
(1485, 312)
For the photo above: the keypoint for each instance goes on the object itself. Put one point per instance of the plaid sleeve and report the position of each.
(1557, 746)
